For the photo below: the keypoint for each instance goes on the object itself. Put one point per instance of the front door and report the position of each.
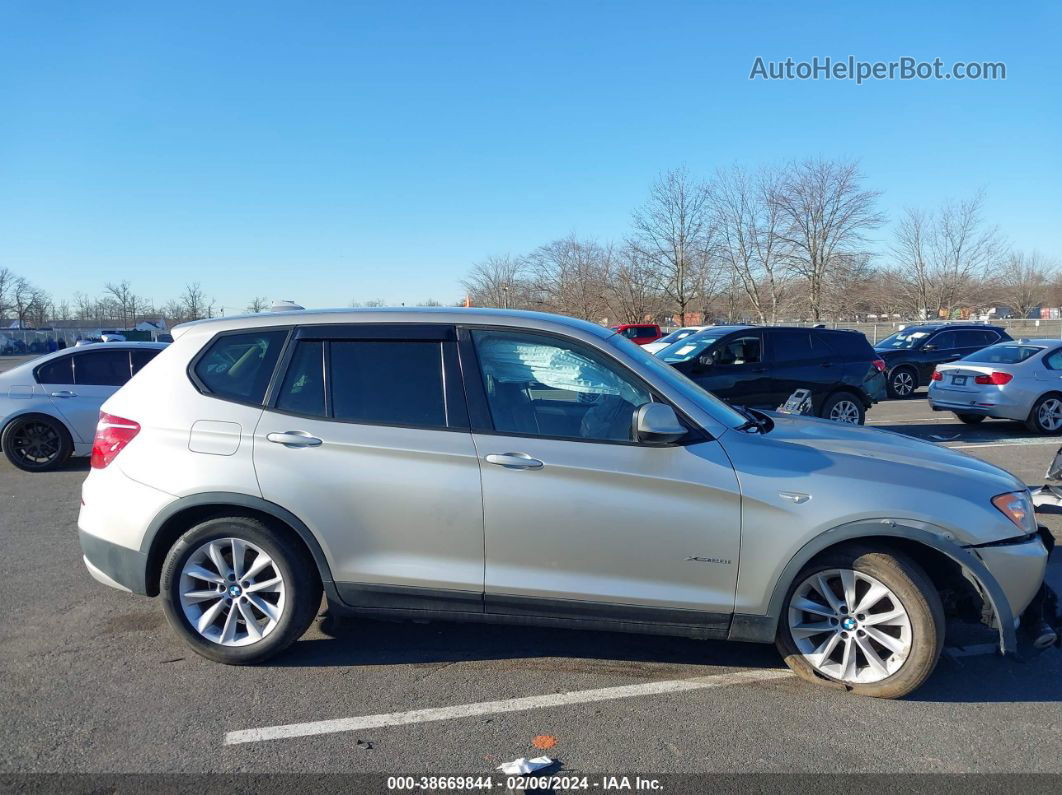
(736, 370)
(94, 376)
(579, 519)
(366, 441)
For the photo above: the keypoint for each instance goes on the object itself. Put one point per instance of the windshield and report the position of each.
(688, 348)
(902, 339)
(1004, 353)
(675, 336)
(664, 373)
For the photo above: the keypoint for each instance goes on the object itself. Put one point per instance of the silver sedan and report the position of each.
(1018, 380)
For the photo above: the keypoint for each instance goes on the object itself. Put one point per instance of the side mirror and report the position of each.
(705, 361)
(929, 347)
(656, 423)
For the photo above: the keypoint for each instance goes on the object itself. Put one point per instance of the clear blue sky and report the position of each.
(329, 151)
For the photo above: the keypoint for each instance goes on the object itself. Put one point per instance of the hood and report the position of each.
(839, 439)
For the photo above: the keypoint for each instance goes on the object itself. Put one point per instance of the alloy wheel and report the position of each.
(849, 626)
(37, 443)
(903, 383)
(1050, 414)
(845, 411)
(231, 591)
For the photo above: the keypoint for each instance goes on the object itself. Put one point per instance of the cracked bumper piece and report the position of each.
(1019, 568)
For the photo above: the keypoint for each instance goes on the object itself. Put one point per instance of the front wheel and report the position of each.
(238, 592)
(844, 407)
(863, 618)
(36, 443)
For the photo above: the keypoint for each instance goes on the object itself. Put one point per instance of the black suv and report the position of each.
(762, 366)
(911, 354)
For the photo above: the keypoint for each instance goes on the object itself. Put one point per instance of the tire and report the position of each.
(917, 636)
(844, 407)
(971, 419)
(1045, 415)
(902, 383)
(36, 443)
(278, 613)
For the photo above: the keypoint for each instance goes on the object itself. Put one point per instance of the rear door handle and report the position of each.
(294, 439)
(64, 393)
(514, 461)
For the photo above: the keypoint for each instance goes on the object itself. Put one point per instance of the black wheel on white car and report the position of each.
(238, 592)
(36, 443)
(971, 419)
(1046, 415)
(844, 407)
(864, 618)
(903, 381)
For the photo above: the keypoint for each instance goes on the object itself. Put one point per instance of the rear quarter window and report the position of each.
(239, 366)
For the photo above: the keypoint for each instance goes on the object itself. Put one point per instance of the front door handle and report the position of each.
(514, 461)
(294, 439)
(64, 393)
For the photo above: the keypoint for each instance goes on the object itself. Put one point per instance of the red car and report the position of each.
(641, 333)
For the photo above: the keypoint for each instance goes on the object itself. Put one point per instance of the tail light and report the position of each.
(112, 435)
(937, 376)
(879, 365)
(997, 379)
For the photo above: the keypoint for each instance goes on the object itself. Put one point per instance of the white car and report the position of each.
(674, 336)
(49, 406)
(1016, 380)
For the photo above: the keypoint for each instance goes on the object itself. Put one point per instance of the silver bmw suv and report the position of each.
(499, 466)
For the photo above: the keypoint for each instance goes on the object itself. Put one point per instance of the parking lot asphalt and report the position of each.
(94, 681)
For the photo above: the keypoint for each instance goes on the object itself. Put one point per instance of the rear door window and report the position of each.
(943, 341)
(239, 366)
(102, 368)
(57, 371)
(790, 346)
(388, 382)
(972, 338)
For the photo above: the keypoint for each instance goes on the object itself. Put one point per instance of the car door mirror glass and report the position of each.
(929, 347)
(657, 424)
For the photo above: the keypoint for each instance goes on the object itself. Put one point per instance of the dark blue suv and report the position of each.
(912, 353)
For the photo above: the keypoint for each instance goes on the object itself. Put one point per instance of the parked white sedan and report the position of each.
(49, 406)
(1018, 380)
(674, 336)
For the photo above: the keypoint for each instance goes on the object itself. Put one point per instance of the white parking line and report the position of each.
(495, 707)
(903, 422)
(1001, 443)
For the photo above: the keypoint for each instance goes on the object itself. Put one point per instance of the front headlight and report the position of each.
(1017, 506)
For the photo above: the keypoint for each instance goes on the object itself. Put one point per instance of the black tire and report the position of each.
(1035, 422)
(846, 402)
(293, 564)
(919, 598)
(22, 439)
(971, 419)
(902, 383)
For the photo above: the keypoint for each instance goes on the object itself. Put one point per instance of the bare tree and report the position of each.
(826, 215)
(1024, 282)
(498, 282)
(127, 304)
(633, 294)
(748, 225)
(965, 250)
(39, 308)
(258, 304)
(912, 250)
(194, 303)
(673, 232)
(570, 276)
(23, 296)
(7, 280)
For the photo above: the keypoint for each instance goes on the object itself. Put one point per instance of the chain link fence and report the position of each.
(29, 342)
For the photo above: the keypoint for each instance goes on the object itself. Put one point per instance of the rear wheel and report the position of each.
(1046, 415)
(237, 592)
(36, 443)
(866, 619)
(903, 381)
(971, 419)
(844, 407)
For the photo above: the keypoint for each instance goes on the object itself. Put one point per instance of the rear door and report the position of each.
(795, 364)
(365, 438)
(940, 348)
(94, 376)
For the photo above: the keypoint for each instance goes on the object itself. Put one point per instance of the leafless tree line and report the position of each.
(778, 243)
